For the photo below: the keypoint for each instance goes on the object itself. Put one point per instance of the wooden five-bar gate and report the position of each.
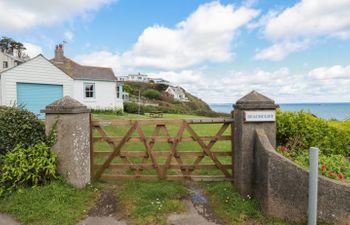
(169, 149)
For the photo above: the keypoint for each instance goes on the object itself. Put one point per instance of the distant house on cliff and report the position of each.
(135, 78)
(177, 93)
(144, 78)
(39, 82)
(160, 81)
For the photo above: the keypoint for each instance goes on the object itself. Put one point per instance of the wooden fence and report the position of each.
(127, 149)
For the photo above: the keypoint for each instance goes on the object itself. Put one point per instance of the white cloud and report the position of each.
(306, 20)
(279, 51)
(329, 73)
(102, 58)
(310, 18)
(69, 36)
(206, 35)
(32, 50)
(282, 85)
(18, 15)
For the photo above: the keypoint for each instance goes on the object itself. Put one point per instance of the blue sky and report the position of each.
(292, 51)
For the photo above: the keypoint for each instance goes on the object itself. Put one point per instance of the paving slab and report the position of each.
(190, 217)
(101, 220)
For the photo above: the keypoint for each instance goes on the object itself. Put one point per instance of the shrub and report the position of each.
(333, 166)
(299, 131)
(131, 107)
(114, 111)
(161, 87)
(25, 167)
(19, 126)
(151, 94)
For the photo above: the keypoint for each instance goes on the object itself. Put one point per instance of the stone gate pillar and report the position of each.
(73, 139)
(250, 112)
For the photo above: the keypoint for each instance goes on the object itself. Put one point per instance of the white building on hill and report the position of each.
(177, 93)
(142, 78)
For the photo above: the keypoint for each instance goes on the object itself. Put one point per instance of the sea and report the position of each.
(338, 111)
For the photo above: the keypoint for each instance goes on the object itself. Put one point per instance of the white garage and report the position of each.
(34, 84)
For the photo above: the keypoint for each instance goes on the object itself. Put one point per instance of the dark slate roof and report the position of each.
(77, 71)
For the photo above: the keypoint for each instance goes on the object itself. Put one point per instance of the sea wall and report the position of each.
(282, 187)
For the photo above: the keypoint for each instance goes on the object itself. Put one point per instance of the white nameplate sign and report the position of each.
(260, 116)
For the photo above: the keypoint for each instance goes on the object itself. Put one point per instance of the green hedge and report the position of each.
(151, 94)
(299, 131)
(19, 126)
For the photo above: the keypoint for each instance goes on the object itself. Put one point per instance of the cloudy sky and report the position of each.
(292, 51)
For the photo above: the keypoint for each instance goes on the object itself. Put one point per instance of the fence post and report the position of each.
(250, 112)
(313, 179)
(72, 121)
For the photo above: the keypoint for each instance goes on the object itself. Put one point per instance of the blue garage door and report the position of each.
(35, 97)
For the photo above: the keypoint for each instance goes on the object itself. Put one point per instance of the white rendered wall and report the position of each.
(105, 94)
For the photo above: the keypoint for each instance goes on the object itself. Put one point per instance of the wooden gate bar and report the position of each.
(112, 170)
(116, 150)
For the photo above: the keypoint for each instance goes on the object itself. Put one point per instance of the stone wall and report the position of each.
(282, 187)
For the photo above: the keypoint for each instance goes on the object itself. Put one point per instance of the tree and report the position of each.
(128, 88)
(10, 46)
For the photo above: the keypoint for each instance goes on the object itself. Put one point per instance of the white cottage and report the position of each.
(38, 82)
(177, 93)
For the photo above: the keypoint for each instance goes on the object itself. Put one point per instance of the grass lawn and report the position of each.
(54, 204)
(150, 202)
(232, 208)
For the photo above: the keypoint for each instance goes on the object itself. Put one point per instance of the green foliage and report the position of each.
(114, 111)
(234, 209)
(8, 45)
(131, 107)
(161, 87)
(167, 104)
(19, 126)
(299, 131)
(54, 204)
(25, 167)
(128, 88)
(151, 94)
(333, 166)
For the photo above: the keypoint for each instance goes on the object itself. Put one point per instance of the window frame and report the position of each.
(93, 90)
(3, 64)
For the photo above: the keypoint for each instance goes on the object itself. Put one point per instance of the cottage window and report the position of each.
(89, 89)
(5, 64)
